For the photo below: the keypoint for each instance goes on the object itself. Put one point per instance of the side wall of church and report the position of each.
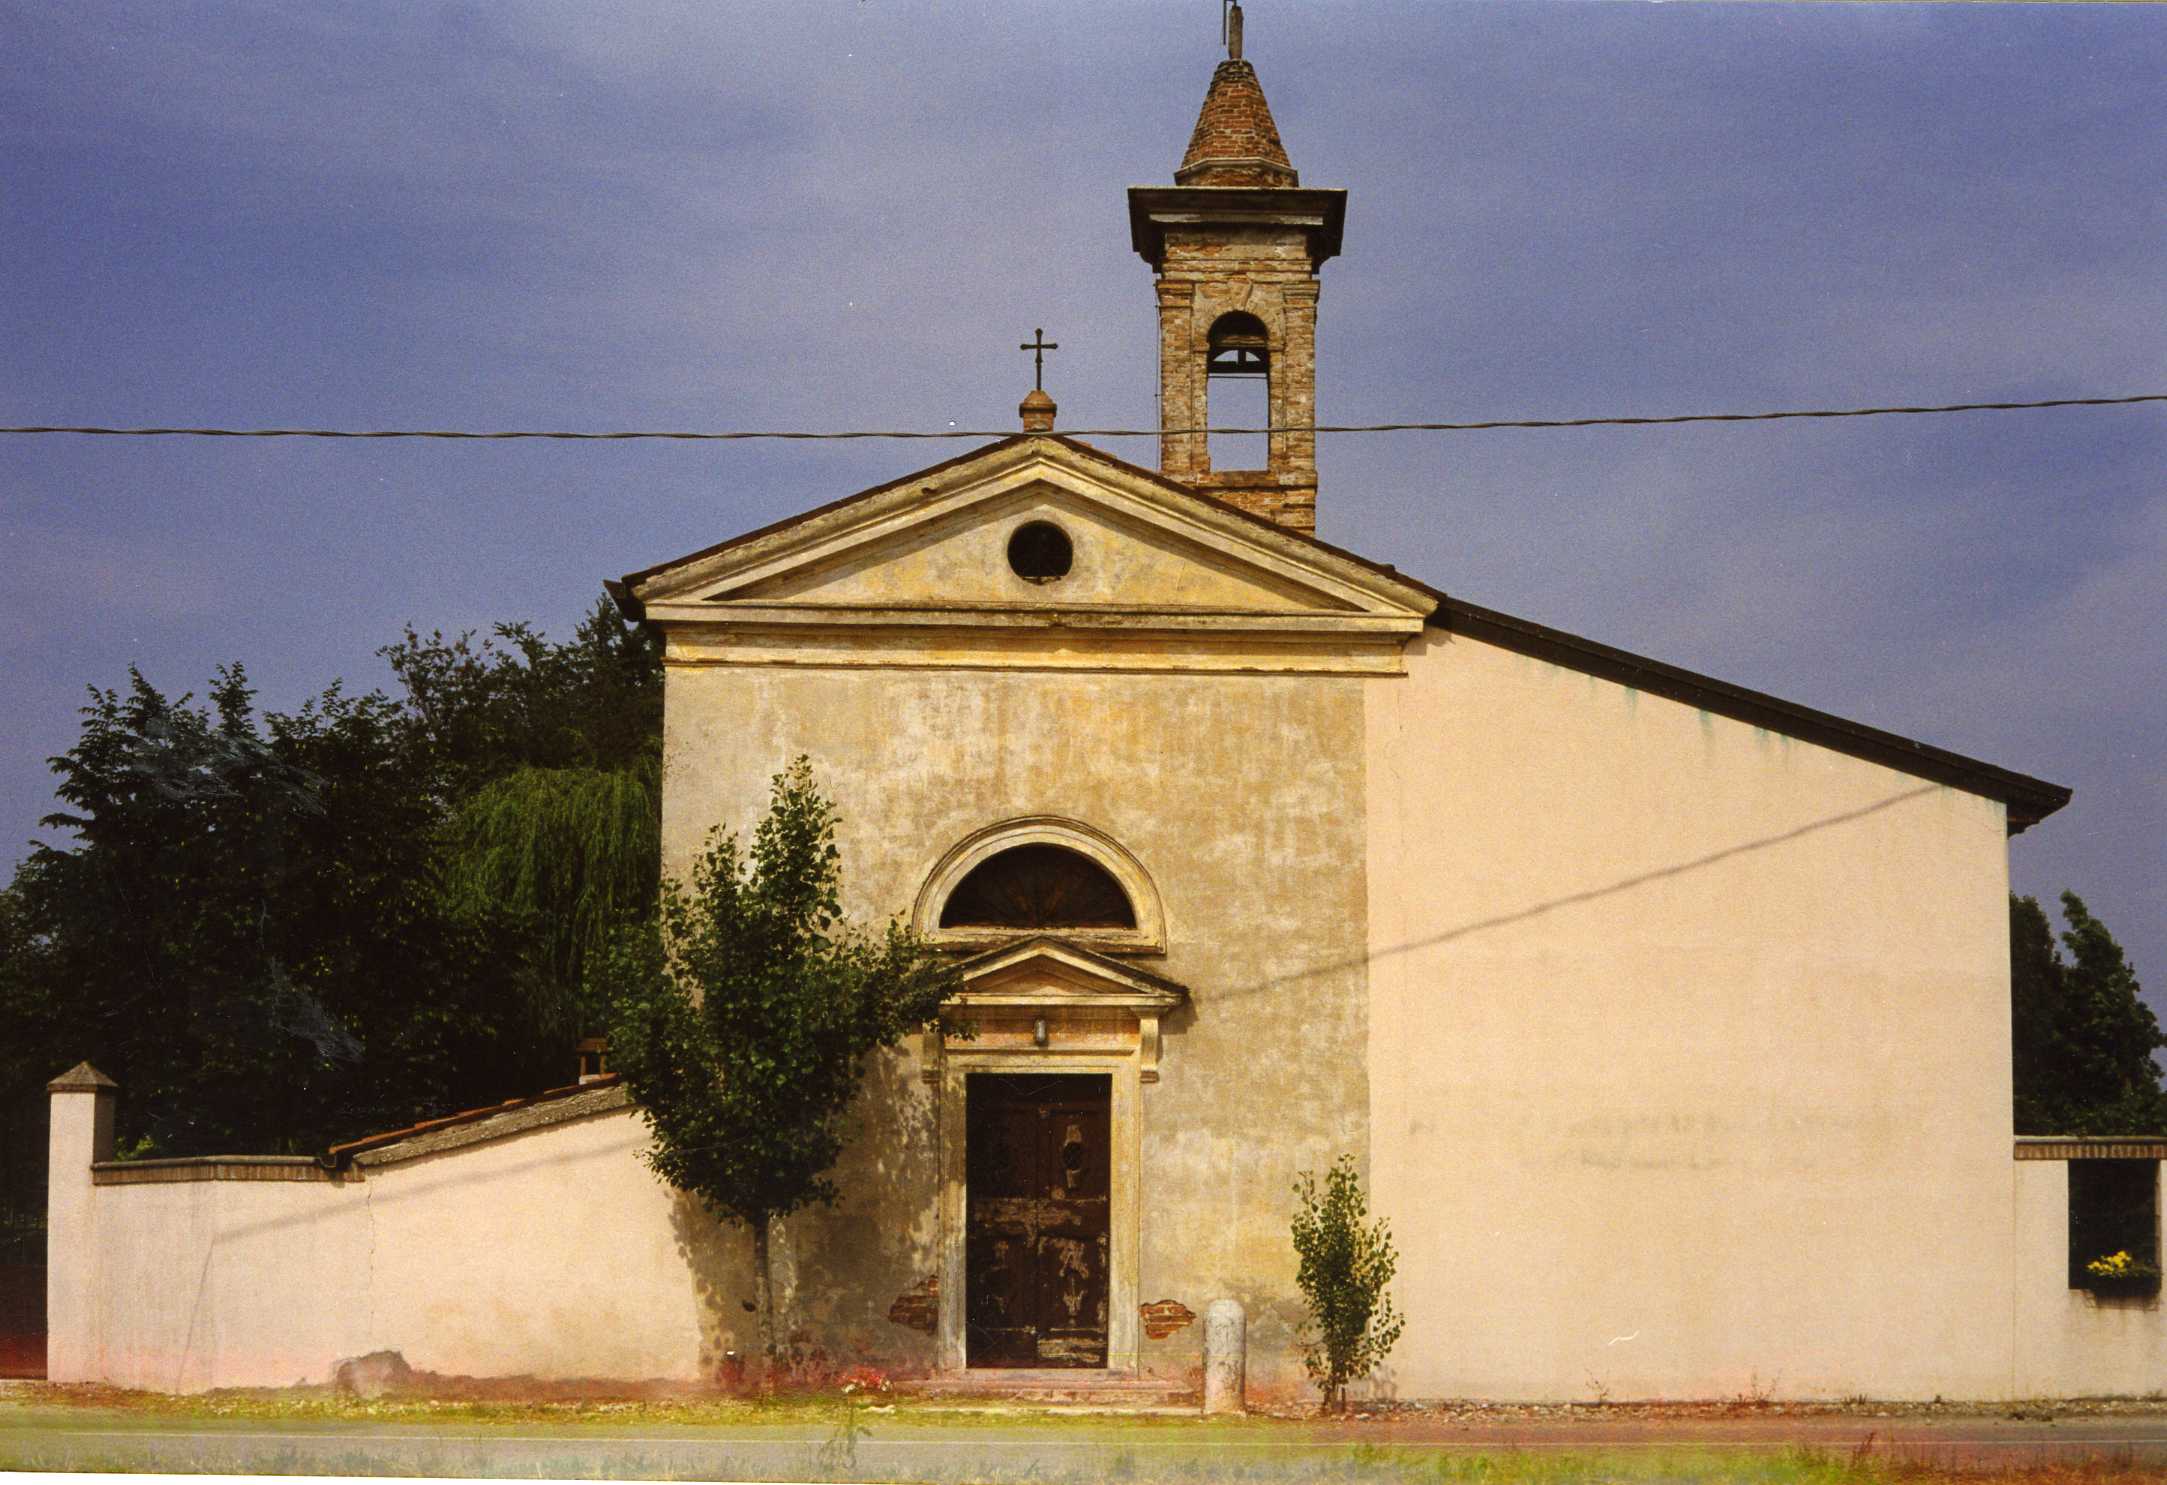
(1688, 1050)
(1238, 793)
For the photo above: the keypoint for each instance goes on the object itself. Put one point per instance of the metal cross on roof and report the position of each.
(1038, 345)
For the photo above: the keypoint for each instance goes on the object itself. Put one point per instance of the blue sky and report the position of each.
(846, 213)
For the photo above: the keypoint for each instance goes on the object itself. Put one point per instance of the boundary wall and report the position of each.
(527, 1240)
(2073, 1342)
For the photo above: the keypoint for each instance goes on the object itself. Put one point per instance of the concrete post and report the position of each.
(1226, 1346)
(81, 1132)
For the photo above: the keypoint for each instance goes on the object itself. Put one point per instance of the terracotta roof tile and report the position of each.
(351, 1148)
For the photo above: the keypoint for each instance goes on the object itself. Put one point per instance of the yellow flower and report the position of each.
(2118, 1265)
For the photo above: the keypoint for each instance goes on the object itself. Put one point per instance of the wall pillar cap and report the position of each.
(82, 1078)
(1037, 410)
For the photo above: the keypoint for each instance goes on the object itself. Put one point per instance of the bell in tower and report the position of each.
(1236, 243)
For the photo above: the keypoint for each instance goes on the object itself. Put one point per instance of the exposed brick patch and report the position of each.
(919, 1306)
(1163, 1317)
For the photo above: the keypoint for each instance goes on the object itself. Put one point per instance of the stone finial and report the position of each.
(1235, 142)
(1037, 410)
(82, 1078)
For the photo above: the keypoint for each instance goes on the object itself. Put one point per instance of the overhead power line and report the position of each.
(698, 436)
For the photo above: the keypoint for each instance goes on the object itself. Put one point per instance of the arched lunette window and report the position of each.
(1038, 886)
(1041, 874)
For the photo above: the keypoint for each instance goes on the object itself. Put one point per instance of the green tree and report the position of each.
(2083, 1039)
(743, 1016)
(278, 931)
(245, 931)
(481, 709)
(1345, 1269)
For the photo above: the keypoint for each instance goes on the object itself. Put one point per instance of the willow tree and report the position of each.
(743, 1016)
(572, 853)
(280, 930)
(546, 760)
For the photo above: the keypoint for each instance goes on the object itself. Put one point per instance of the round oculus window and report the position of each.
(1040, 552)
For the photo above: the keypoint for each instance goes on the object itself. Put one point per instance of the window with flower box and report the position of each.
(2114, 1226)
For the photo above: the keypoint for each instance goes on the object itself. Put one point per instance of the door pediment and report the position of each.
(1042, 1000)
(1046, 973)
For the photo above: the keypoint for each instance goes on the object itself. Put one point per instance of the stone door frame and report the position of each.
(1124, 1232)
(1041, 1006)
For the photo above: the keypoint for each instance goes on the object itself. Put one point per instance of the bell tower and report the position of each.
(1236, 243)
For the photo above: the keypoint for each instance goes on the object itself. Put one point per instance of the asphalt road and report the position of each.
(1050, 1453)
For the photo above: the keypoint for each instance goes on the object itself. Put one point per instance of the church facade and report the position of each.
(1668, 1022)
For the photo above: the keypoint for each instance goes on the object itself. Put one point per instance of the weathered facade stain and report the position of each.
(1163, 1317)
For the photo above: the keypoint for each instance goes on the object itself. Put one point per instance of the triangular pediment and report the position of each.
(1119, 560)
(939, 542)
(1047, 971)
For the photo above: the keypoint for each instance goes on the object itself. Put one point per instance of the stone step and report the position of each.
(1067, 1385)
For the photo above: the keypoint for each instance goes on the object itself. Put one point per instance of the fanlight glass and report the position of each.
(1038, 886)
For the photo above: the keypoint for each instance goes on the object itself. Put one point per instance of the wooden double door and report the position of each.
(1038, 1149)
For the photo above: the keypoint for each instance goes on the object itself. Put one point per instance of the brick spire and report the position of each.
(1236, 143)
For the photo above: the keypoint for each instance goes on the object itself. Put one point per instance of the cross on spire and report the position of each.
(1038, 345)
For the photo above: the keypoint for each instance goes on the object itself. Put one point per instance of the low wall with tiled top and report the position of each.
(525, 1240)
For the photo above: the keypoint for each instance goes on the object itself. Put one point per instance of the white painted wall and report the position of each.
(80, 1131)
(206, 1284)
(555, 1252)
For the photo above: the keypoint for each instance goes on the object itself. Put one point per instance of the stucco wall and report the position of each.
(1677, 1052)
(2070, 1342)
(1238, 793)
(1688, 1051)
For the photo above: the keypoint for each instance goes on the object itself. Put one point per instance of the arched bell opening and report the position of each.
(1238, 390)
